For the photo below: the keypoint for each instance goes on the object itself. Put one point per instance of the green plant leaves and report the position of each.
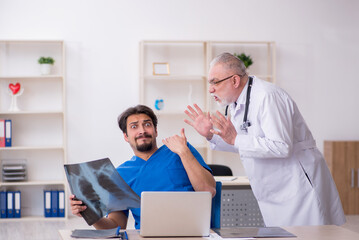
(246, 59)
(46, 60)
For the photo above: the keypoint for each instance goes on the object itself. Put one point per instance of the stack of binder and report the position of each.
(54, 203)
(10, 204)
(13, 170)
(5, 133)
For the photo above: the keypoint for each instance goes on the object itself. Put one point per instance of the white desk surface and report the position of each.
(233, 180)
(327, 232)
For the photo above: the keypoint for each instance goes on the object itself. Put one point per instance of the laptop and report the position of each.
(166, 214)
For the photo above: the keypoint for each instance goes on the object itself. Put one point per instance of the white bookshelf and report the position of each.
(187, 83)
(39, 128)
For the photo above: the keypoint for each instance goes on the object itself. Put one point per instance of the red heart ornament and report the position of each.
(14, 88)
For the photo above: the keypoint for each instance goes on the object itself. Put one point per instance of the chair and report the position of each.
(220, 170)
(216, 207)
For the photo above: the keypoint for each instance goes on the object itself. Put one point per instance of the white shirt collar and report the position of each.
(241, 99)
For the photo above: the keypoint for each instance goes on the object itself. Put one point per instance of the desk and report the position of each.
(239, 207)
(327, 232)
(233, 180)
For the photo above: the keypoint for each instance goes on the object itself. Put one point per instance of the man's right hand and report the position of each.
(77, 206)
(201, 122)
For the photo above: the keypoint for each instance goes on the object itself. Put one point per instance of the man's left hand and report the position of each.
(177, 144)
(225, 128)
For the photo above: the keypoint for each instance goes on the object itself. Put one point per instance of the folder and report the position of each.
(3, 204)
(8, 133)
(54, 203)
(10, 204)
(17, 204)
(2, 133)
(61, 203)
(47, 203)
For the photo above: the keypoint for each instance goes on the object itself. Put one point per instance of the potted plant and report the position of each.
(45, 64)
(246, 59)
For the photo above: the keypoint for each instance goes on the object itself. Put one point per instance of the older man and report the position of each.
(287, 173)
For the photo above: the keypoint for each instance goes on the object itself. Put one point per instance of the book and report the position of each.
(101, 188)
(61, 203)
(17, 204)
(54, 203)
(105, 233)
(8, 133)
(47, 203)
(2, 133)
(253, 232)
(10, 204)
(3, 204)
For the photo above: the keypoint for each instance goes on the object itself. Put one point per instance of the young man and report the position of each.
(176, 166)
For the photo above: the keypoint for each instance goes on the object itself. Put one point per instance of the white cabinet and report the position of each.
(186, 84)
(39, 127)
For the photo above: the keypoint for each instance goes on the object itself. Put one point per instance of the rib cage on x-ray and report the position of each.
(99, 185)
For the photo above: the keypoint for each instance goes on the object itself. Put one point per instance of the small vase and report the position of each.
(45, 69)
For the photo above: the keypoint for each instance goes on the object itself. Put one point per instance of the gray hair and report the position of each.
(230, 62)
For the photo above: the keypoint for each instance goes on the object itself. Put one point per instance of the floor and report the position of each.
(48, 230)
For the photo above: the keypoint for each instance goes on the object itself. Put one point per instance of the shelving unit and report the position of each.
(187, 84)
(39, 128)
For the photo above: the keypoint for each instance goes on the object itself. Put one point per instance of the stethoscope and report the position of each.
(246, 122)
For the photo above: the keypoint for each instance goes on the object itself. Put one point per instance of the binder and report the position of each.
(8, 133)
(17, 204)
(2, 133)
(62, 203)
(3, 204)
(47, 203)
(54, 203)
(10, 204)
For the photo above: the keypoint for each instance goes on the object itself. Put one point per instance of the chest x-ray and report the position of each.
(103, 190)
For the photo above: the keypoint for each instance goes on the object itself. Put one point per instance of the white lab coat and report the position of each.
(287, 173)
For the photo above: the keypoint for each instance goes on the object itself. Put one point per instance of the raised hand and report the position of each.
(225, 128)
(201, 122)
(177, 144)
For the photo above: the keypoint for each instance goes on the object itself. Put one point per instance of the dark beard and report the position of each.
(144, 147)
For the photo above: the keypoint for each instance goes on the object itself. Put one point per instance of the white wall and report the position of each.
(317, 56)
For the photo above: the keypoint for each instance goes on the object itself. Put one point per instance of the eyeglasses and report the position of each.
(214, 83)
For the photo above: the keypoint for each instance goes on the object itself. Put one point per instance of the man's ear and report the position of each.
(125, 137)
(237, 81)
(156, 132)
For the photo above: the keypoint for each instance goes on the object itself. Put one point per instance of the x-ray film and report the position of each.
(98, 185)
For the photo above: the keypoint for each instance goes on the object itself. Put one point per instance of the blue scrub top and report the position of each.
(163, 171)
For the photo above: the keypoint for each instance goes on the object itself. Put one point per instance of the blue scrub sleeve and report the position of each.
(199, 158)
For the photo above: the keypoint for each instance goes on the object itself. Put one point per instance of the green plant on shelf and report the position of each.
(246, 59)
(46, 60)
